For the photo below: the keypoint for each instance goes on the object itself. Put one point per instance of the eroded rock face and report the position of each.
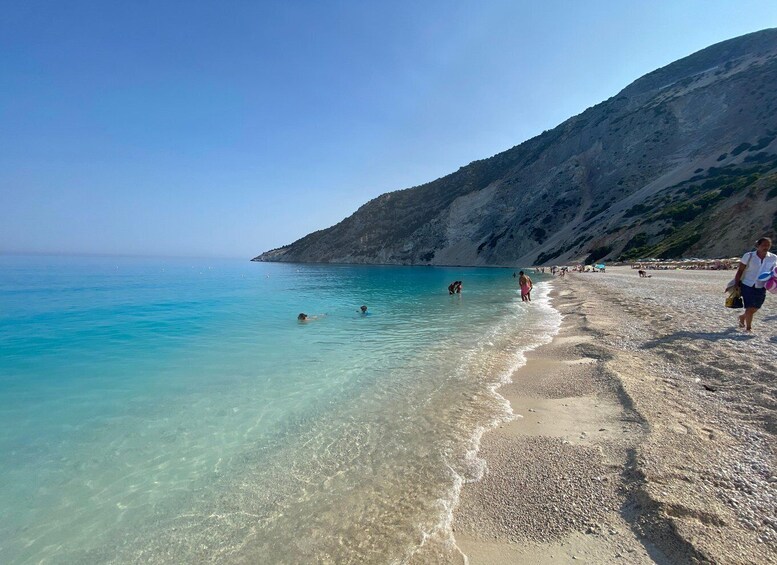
(682, 162)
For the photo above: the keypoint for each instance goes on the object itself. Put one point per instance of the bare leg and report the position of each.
(748, 315)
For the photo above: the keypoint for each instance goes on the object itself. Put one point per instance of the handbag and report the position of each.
(734, 300)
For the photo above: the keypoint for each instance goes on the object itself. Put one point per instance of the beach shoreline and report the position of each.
(630, 442)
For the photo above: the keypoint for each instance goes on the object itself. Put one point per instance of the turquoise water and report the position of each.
(174, 410)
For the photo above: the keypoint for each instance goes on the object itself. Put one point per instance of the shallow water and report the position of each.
(160, 410)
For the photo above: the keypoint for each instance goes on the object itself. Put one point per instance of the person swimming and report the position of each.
(302, 317)
(363, 310)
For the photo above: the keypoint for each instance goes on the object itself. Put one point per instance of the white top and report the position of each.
(755, 267)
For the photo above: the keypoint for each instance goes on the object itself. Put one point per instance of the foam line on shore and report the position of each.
(475, 465)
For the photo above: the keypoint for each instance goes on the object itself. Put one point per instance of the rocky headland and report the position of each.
(682, 162)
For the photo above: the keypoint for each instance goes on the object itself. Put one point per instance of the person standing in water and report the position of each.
(526, 285)
(752, 264)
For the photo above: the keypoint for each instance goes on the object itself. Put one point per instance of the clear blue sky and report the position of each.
(228, 128)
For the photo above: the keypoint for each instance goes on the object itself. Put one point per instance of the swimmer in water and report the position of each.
(307, 317)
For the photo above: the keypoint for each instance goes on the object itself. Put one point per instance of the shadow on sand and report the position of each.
(729, 334)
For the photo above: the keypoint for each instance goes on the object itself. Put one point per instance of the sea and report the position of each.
(157, 410)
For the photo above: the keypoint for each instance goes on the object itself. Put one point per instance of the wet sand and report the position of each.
(645, 432)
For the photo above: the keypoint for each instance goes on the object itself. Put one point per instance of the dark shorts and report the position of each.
(753, 297)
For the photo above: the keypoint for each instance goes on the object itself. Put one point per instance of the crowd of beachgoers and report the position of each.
(653, 265)
(690, 265)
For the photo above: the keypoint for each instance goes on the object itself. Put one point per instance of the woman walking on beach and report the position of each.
(526, 285)
(752, 264)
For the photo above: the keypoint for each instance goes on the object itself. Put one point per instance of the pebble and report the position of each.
(735, 471)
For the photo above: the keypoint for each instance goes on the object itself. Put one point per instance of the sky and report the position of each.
(228, 128)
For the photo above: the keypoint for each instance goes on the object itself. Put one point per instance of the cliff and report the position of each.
(682, 162)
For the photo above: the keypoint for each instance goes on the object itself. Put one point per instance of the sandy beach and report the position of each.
(644, 432)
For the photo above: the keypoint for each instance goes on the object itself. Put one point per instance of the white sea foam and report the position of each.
(545, 325)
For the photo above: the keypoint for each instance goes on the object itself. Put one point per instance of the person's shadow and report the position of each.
(730, 334)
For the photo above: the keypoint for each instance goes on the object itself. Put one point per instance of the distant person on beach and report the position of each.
(752, 264)
(526, 285)
(454, 287)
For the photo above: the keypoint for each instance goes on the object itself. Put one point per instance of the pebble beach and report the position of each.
(643, 433)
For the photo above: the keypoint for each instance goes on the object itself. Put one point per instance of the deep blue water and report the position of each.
(175, 410)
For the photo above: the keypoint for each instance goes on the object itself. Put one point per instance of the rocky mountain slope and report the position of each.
(682, 162)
